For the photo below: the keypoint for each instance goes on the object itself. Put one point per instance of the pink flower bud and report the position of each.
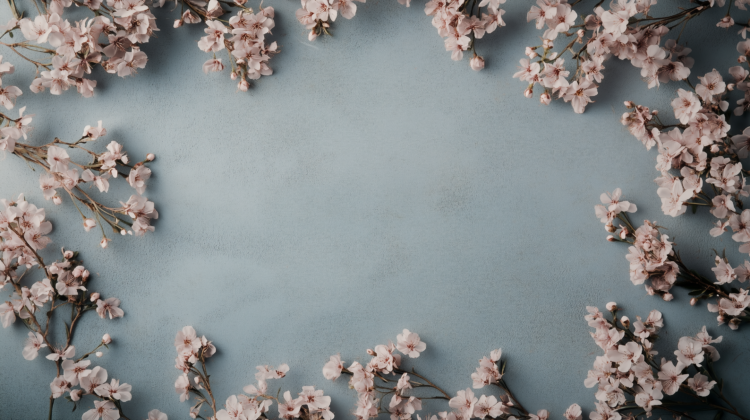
(106, 339)
(123, 232)
(75, 394)
(57, 200)
(150, 157)
(233, 75)
(742, 59)
(68, 255)
(693, 301)
(545, 98)
(629, 104)
(623, 233)
(610, 238)
(625, 321)
(177, 23)
(312, 35)
(371, 352)
(611, 306)
(730, 87)
(243, 85)
(104, 243)
(99, 354)
(609, 227)
(85, 274)
(667, 297)
(580, 34)
(529, 92)
(476, 63)
(547, 44)
(94, 296)
(650, 291)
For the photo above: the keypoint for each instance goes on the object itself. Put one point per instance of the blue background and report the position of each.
(370, 185)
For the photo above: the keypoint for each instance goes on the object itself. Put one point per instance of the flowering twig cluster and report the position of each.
(385, 377)
(629, 378)
(66, 283)
(248, 49)
(652, 257)
(192, 353)
(460, 22)
(64, 53)
(63, 173)
(626, 30)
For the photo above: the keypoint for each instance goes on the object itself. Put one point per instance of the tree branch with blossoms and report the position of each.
(629, 377)
(652, 257)
(192, 354)
(248, 49)
(460, 22)
(626, 30)
(64, 53)
(385, 377)
(23, 231)
(63, 173)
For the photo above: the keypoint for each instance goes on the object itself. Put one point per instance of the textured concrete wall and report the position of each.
(371, 184)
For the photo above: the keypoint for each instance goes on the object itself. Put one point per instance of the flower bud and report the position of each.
(742, 59)
(57, 200)
(233, 75)
(610, 238)
(611, 306)
(667, 297)
(625, 321)
(476, 63)
(99, 354)
(123, 232)
(75, 394)
(106, 339)
(545, 98)
(650, 291)
(371, 352)
(531, 53)
(177, 23)
(240, 2)
(693, 301)
(734, 323)
(547, 44)
(609, 227)
(655, 112)
(529, 92)
(730, 87)
(312, 35)
(580, 34)
(68, 255)
(243, 85)
(629, 104)
(94, 296)
(88, 224)
(150, 157)
(85, 275)
(624, 233)
(197, 380)
(104, 243)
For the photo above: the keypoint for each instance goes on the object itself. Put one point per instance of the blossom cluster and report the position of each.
(316, 15)
(459, 22)
(652, 257)
(73, 49)
(626, 30)
(255, 403)
(628, 375)
(63, 173)
(385, 376)
(248, 48)
(23, 231)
